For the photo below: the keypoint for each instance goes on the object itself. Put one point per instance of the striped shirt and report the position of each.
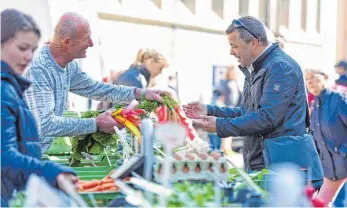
(48, 96)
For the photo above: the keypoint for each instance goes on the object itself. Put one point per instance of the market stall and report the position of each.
(157, 160)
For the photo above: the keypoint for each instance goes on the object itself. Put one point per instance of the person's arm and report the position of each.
(343, 109)
(41, 100)
(224, 112)
(273, 105)
(84, 85)
(15, 165)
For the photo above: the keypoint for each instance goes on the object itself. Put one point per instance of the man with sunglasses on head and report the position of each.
(274, 96)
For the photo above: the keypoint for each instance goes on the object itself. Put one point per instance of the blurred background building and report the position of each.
(191, 34)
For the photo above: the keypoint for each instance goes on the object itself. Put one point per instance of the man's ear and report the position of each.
(67, 42)
(255, 43)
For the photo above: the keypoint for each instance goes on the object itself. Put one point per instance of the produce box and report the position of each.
(99, 160)
(102, 199)
(91, 173)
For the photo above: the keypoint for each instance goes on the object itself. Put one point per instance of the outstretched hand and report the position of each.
(195, 110)
(207, 123)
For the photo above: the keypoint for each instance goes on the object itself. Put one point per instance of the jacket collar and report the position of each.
(144, 71)
(323, 95)
(258, 63)
(19, 82)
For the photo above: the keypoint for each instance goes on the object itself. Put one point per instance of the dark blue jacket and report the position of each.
(274, 105)
(20, 145)
(342, 80)
(135, 76)
(329, 125)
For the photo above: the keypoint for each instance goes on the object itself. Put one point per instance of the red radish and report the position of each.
(309, 191)
(140, 111)
(186, 122)
(317, 202)
(129, 108)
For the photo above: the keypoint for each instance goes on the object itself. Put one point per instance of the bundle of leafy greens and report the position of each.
(258, 178)
(190, 194)
(150, 106)
(91, 143)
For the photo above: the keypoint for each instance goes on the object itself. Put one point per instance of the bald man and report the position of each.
(54, 73)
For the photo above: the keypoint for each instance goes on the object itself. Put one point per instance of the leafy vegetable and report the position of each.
(17, 200)
(91, 143)
(188, 194)
(151, 106)
(256, 177)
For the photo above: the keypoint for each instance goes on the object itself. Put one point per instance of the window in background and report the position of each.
(318, 15)
(218, 7)
(243, 7)
(264, 6)
(303, 15)
(284, 13)
(157, 3)
(190, 4)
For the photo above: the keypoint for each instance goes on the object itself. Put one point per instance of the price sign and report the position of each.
(170, 134)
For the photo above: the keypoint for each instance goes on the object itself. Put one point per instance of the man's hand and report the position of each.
(195, 110)
(106, 123)
(207, 123)
(152, 94)
(67, 177)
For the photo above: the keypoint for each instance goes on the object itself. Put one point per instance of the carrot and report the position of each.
(107, 186)
(95, 189)
(89, 185)
(114, 189)
(107, 181)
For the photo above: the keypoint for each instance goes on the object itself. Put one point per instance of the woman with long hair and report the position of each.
(20, 144)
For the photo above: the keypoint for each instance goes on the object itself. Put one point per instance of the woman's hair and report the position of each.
(145, 54)
(13, 21)
(314, 71)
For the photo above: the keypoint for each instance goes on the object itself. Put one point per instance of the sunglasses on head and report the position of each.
(237, 24)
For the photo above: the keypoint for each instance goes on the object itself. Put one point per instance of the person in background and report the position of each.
(341, 69)
(226, 94)
(279, 38)
(55, 72)
(329, 125)
(103, 105)
(20, 144)
(147, 65)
